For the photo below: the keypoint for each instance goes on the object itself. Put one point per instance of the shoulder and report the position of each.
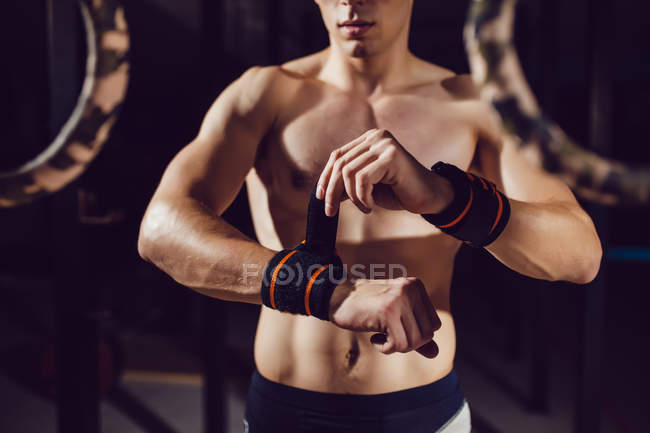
(259, 88)
(306, 67)
(461, 87)
(479, 112)
(292, 71)
(460, 90)
(277, 82)
(457, 87)
(258, 81)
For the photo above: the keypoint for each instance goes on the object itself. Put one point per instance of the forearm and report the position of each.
(200, 250)
(550, 241)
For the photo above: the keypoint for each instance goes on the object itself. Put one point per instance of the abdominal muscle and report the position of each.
(309, 353)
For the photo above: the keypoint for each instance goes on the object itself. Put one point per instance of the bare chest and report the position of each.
(295, 153)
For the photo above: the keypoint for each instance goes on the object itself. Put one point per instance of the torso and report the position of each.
(432, 123)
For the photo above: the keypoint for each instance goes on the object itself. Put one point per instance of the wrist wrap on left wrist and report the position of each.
(479, 212)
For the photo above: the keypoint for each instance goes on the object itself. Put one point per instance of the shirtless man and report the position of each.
(283, 129)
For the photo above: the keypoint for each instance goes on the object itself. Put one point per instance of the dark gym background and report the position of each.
(532, 356)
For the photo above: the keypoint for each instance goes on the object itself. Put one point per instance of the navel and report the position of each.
(352, 355)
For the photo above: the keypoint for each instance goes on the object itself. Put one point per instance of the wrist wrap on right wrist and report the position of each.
(302, 280)
(298, 281)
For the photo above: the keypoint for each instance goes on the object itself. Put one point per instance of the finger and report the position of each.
(431, 310)
(413, 334)
(343, 164)
(368, 177)
(424, 319)
(396, 338)
(429, 350)
(336, 185)
(324, 178)
(423, 315)
(334, 190)
(437, 323)
(350, 172)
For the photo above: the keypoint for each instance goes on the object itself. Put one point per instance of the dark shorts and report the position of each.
(272, 407)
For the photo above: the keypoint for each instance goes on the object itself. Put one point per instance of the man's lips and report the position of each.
(355, 28)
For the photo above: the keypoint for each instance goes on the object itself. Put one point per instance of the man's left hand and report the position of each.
(376, 170)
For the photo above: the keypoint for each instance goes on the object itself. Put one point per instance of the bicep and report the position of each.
(212, 168)
(521, 180)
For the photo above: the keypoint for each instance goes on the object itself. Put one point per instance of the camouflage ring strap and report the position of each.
(88, 128)
(497, 72)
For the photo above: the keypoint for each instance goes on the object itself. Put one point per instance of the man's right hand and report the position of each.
(399, 310)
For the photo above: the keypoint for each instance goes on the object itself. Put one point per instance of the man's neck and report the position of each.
(369, 75)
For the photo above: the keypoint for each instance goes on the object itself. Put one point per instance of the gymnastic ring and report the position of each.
(81, 138)
(497, 72)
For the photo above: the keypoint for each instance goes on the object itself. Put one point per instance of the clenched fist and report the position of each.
(399, 310)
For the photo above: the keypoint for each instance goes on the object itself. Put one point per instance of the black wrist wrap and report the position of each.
(302, 280)
(479, 212)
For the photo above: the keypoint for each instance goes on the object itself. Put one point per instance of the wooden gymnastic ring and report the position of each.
(83, 135)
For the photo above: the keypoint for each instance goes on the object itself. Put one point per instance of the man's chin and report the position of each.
(356, 49)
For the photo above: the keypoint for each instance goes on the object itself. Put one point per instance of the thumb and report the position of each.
(384, 343)
(429, 350)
